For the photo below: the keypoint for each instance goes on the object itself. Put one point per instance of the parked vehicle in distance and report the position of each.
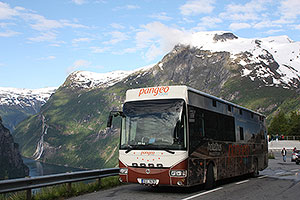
(295, 155)
(298, 160)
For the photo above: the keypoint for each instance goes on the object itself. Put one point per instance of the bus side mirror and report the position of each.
(111, 115)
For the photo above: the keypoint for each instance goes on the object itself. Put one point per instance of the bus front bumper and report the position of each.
(152, 176)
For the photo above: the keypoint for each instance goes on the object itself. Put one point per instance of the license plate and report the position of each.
(148, 181)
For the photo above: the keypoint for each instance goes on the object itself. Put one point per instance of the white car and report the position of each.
(295, 155)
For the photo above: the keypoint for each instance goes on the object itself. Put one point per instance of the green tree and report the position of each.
(279, 124)
(294, 124)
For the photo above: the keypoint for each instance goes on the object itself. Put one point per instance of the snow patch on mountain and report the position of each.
(87, 80)
(279, 49)
(24, 97)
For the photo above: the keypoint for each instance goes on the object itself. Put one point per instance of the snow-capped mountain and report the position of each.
(24, 97)
(273, 60)
(259, 74)
(17, 104)
(89, 80)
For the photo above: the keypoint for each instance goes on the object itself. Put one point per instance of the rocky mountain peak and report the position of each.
(90, 80)
(223, 37)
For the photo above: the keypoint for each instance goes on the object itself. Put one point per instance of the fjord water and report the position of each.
(37, 168)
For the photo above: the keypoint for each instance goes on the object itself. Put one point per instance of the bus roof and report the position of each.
(172, 92)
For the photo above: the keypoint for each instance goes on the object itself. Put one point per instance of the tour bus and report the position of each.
(179, 136)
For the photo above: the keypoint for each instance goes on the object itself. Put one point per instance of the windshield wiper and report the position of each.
(169, 151)
(129, 148)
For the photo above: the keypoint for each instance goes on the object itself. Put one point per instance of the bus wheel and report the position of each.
(210, 178)
(255, 172)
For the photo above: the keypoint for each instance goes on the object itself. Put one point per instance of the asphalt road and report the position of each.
(281, 180)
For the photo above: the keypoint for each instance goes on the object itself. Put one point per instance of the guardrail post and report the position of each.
(28, 194)
(69, 187)
(99, 183)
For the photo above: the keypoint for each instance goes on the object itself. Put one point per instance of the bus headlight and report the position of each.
(123, 171)
(178, 173)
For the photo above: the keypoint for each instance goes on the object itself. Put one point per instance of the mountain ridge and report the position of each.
(16, 104)
(76, 116)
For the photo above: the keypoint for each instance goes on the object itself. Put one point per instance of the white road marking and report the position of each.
(263, 176)
(203, 193)
(241, 182)
(294, 170)
(280, 173)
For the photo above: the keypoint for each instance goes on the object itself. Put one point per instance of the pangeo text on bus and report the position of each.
(155, 91)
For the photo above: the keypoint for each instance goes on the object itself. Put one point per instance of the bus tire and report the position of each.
(210, 178)
(255, 172)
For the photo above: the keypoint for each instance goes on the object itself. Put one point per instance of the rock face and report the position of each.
(12, 165)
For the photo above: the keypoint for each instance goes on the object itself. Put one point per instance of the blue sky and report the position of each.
(41, 42)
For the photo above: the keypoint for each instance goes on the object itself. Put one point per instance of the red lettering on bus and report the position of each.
(155, 90)
(147, 153)
(241, 151)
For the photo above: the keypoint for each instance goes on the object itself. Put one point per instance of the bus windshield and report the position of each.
(154, 124)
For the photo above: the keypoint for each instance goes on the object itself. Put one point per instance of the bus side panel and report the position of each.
(196, 167)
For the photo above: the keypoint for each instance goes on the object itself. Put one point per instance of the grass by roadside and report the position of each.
(61, 191)
(271, 155)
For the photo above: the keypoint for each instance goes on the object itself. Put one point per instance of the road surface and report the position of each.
(279, 181)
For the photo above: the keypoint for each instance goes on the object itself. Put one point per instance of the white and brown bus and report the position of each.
(179, 136)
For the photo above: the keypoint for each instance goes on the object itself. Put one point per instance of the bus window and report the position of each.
(218, 126)
(214, 103)
(155, 124)
(229, 108)
(196, 126)
(241, 133)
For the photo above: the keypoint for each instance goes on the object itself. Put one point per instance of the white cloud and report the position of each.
(48, 58)
(209, 22)
(283, 21)
(40, 23)
(79, 2)
(297, 27)
(271, 32)
(46, 27)
(265, 24)
(6, 12)
(126, 7)
(161, 16)
(99, 49)
(252, 6)
(5, 25)
(253, 10)
(195, 7)
(289, 9)
(158, 39)
(116, 37)
(48, 36)
(77, 40)
(117, 26)
(238, 26)
(78, 64)
(9, 33)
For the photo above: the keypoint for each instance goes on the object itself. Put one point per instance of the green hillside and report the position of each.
(76, 117)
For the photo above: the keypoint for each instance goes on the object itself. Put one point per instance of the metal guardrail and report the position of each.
(14, 185)
(285, 137)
